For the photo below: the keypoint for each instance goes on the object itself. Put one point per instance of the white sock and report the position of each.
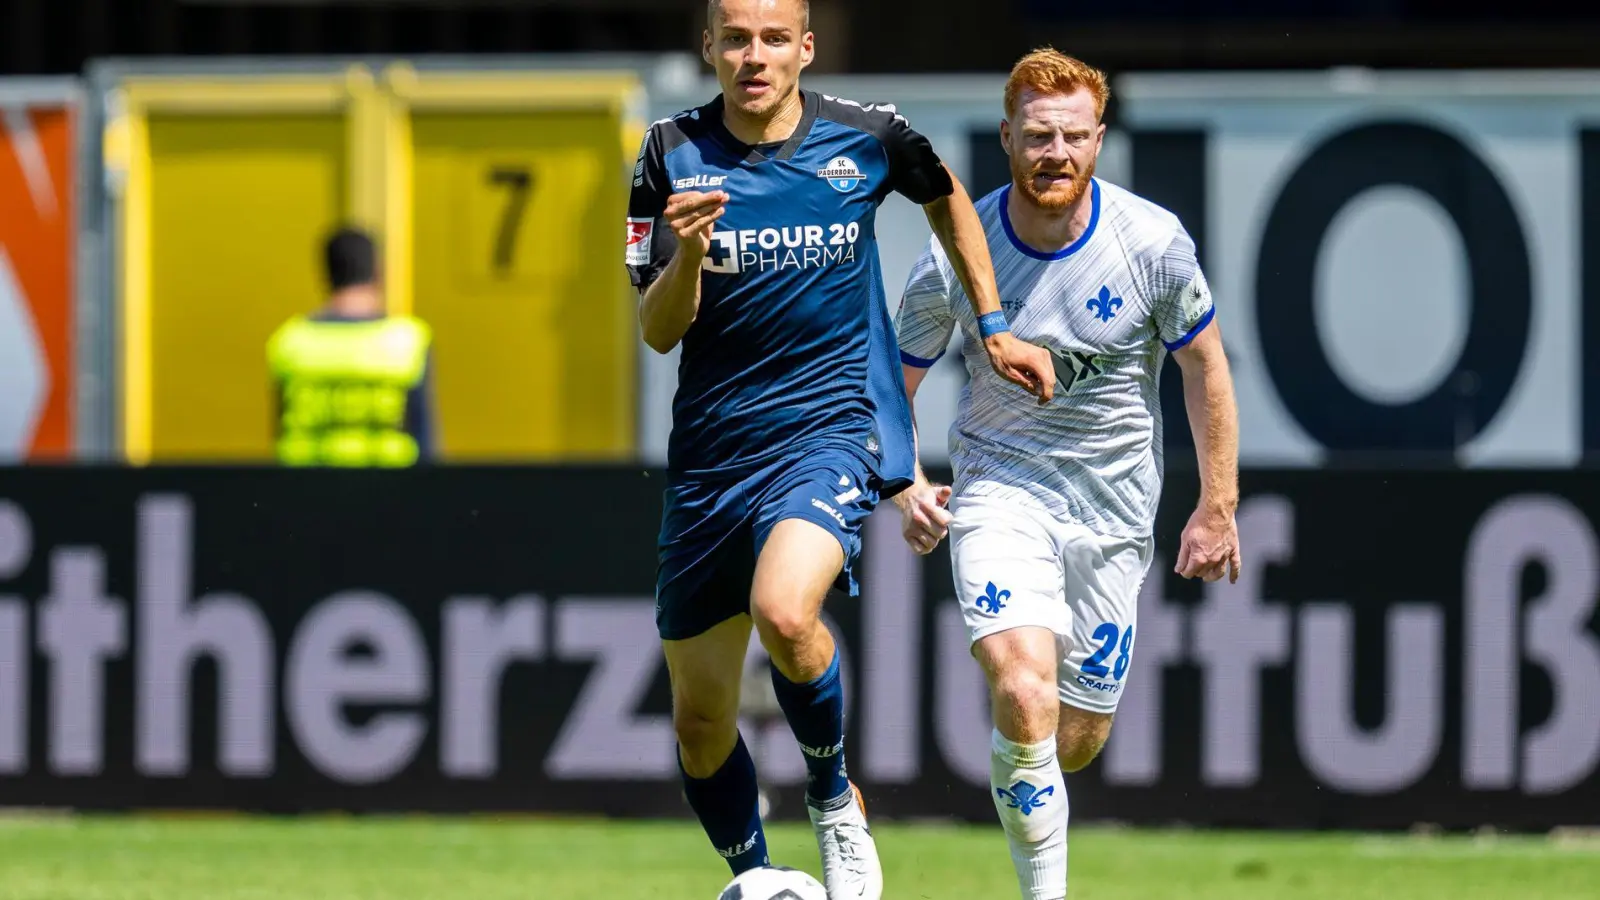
(1031, 796)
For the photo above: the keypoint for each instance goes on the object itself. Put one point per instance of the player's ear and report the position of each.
(705, 48)
(1005, 136)
(808, 49)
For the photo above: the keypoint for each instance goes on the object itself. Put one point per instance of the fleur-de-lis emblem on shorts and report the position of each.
(993, 599)
(1105, 305)
(1024, 796)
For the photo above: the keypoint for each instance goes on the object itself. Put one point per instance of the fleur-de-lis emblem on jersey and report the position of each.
(993, 599)
(1105, 305)
(1025, 797)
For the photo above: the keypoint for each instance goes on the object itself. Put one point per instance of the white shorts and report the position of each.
(1017, 566)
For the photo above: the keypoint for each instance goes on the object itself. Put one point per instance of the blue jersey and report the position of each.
(792, 347)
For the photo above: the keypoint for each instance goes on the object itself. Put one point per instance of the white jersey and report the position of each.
(1109, 308)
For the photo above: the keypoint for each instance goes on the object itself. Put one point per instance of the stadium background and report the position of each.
(1398, 206)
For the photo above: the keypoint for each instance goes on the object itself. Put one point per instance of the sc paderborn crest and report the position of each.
(842, 174)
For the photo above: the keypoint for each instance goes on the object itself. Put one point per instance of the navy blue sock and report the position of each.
(815, 711)
(729, 806)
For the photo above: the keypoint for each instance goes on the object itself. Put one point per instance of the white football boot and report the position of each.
(850, 866)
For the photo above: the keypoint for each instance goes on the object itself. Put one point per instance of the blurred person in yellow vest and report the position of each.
(353, 383)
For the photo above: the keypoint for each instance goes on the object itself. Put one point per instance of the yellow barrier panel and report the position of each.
(238, 208)
(509, 191)
(498, 198)
(230, 187)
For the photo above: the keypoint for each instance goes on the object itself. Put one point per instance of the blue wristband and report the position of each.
(991, 324)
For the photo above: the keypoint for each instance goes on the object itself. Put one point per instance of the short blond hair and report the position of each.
(713, 6)
(1049, 71)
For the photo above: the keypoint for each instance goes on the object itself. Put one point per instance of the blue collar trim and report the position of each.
(1094, 219)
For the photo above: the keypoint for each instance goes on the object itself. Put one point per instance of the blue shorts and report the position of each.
(712, 532)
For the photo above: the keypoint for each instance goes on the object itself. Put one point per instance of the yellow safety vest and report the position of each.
(345, 388)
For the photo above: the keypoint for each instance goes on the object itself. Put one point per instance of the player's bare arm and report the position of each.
(672, 301)
(925, 518)
(1210, 543)
(955, 220)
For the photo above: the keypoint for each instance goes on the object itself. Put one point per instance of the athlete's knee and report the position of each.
(1020, 666)
(1027, 699)
(783, 623)
(797, 565)
(799, 644)
(792, 632)
(1080, 737)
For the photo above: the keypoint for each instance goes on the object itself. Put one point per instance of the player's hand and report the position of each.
(690, 216)
(1209, 547)
(925, 520)
(1022, 363)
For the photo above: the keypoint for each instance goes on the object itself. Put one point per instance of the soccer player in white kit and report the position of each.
(1051, 513)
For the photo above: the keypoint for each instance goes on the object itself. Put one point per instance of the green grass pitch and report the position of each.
(93, 858)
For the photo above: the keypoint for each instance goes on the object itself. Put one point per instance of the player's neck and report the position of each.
(777, 127)
(1045, 230)
(362, 301)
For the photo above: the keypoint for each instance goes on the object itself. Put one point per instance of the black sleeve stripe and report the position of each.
(647, 254)
(873, 118)
(915, 170)
(675, 131)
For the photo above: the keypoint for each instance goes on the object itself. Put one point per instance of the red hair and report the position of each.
(1049, 71)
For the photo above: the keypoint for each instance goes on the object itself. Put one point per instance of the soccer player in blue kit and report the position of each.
(751, 238)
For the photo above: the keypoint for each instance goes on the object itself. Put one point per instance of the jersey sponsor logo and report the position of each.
(1104, 306)
(776, 249)
(842, 174)
(699, 181)
(638, 253)
(1073, 366)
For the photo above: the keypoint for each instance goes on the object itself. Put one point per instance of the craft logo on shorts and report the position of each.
(1095, 684)
(842, 174)
(639, 230)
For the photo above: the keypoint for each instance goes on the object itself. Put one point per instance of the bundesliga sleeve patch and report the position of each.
(1196, 299)
(638, 253)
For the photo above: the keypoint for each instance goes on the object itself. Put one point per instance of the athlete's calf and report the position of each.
(1025, 780)
(1080, 737)
(719, 776)
(797, 565)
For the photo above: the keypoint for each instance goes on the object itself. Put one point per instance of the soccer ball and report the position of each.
(773, 883)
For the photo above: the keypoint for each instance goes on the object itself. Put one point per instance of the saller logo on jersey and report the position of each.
(638, 253)
(699, 181)
(775, 249)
